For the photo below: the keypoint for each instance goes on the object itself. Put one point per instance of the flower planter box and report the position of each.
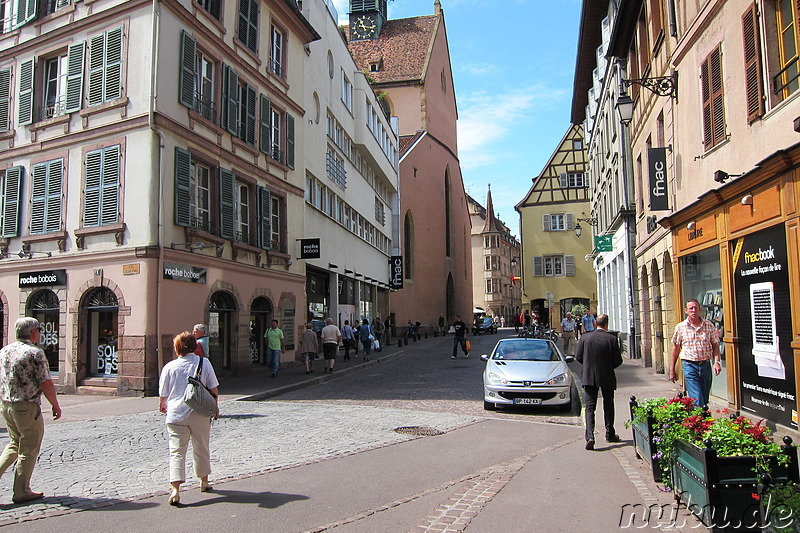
(719, 490)
(643, 441)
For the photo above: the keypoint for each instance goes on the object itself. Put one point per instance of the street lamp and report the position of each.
(625, 108)
(579, 229)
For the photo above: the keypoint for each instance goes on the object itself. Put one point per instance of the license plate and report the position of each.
(527, 401)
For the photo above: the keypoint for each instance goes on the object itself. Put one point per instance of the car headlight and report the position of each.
(496, 378)
(558, 380)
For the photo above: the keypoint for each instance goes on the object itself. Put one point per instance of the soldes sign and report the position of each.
(396, 272)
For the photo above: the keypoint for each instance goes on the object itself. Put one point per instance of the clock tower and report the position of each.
(366, 18)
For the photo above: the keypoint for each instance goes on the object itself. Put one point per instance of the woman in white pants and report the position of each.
(182, 422)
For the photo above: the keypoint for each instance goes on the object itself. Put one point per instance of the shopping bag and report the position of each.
(468, 345)
(376, 345)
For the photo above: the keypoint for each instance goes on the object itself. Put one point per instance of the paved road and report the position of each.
(329, 456)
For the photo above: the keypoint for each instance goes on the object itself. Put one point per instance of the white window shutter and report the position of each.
(545, 222)
(563, 180)
(570, 222)
(569, 265)
(538, 266)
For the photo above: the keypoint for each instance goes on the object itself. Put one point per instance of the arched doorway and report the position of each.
(101, 309)
(45, 307)
(260, 318)
(221, 311)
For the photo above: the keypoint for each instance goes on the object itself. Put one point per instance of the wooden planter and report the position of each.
(643, 441)
(719, 490)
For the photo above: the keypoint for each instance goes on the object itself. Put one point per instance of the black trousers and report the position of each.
(590, 399)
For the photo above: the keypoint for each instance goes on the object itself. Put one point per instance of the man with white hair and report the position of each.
(24, 377)
(199, 333)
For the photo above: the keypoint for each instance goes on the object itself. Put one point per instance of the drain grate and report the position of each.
(418, 431)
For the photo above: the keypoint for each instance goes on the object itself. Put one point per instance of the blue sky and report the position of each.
(513, 64)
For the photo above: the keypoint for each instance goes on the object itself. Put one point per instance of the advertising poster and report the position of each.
(761, 285)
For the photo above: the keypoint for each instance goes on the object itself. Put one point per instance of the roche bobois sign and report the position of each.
(178, 272)
(43, 278)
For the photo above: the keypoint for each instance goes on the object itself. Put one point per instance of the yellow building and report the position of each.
(555, 274)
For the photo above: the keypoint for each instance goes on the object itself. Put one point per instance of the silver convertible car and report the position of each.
(523, 371)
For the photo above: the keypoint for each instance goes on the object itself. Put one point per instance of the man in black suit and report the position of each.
(599, 354)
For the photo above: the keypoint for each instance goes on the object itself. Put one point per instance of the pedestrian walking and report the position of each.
(588, 321)
(696, 342)
(309, 347)
(274, 336)
(460, 337)
(183, 423)
(367, 335)
(199, 332)
(348, 340)
(379, 329)
(599, 353)
(387, 332)
(441, 325)
(568, 332)
(331, 337)
(24, 377)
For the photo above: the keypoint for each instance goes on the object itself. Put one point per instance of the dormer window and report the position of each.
(375, 66)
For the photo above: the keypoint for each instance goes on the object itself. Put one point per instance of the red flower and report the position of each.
(698, 424)
(688, 403)
(758, 432)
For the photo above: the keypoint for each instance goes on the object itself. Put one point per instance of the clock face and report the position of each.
(364, 27)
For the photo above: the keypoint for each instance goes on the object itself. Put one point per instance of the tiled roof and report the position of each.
(407, 141)
(402, 49)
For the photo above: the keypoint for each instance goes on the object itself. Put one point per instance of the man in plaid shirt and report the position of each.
(696, 342)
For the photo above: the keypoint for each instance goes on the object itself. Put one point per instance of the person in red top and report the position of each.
(696, 342)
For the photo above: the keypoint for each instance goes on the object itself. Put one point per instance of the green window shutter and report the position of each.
(569, 265)
(227, 203)
(75, 59)
(26, 12)
(91, 188)
(12, 187)
(25, 106)
(538, 265)
(109, 197)
(289, 141)
(96, 69)
(5, 99)
(264, 219)
(187, 69)
(215, 8)
(46, 197)
(38, 195)
(250, 122)
(248, 24)
(264, 115)
(230, 99)
(183, 180)
(112, 86)
(55, 174)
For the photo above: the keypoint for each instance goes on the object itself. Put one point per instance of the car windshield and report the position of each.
(525, 351)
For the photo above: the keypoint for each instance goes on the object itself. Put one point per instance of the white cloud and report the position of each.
(485, 120)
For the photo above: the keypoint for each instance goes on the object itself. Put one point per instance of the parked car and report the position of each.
(527, 371)
(484, 325)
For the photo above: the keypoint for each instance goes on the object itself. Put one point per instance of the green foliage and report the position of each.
(578, 310)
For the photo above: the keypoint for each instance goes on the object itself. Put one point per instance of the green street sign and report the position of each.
(602, 243)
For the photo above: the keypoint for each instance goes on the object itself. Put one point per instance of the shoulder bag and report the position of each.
(197, 395)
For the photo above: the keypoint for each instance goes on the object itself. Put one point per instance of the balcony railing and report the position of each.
(205, 106)
(786, 78)
(55, 109)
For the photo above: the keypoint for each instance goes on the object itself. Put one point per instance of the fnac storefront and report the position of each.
(737, 251)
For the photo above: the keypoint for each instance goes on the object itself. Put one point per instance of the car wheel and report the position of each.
(489, 406)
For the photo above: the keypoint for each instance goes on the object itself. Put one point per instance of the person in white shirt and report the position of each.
(331, 337)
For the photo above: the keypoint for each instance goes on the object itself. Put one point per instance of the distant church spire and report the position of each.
(489, 226)
(437, 7)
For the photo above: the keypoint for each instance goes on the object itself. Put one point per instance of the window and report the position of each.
(276, 215)
(248, 24)
(242, 212)
(572, 180)
(786, 81)
(554, 265)
(334, 166)
(238, 106)
(492, 262)
(196, 78)
(246, 127)
(51, 6)
(276, 134)
(276, 52)
(10, 202)
(16, 13)
(214, 7)
(380, 212)
(347, 91)
(200, 197)
(46, 197)
(558, 222)
(492, 286)
(577, 144)
(712, 96)
(101, 188)
(105, 67)
(55, 87)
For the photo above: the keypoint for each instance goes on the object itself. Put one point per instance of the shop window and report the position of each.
(44, 306)
(260, 318)
(220, 329)
(102, 309)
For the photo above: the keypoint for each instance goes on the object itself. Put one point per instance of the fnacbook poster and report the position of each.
(761, 284)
